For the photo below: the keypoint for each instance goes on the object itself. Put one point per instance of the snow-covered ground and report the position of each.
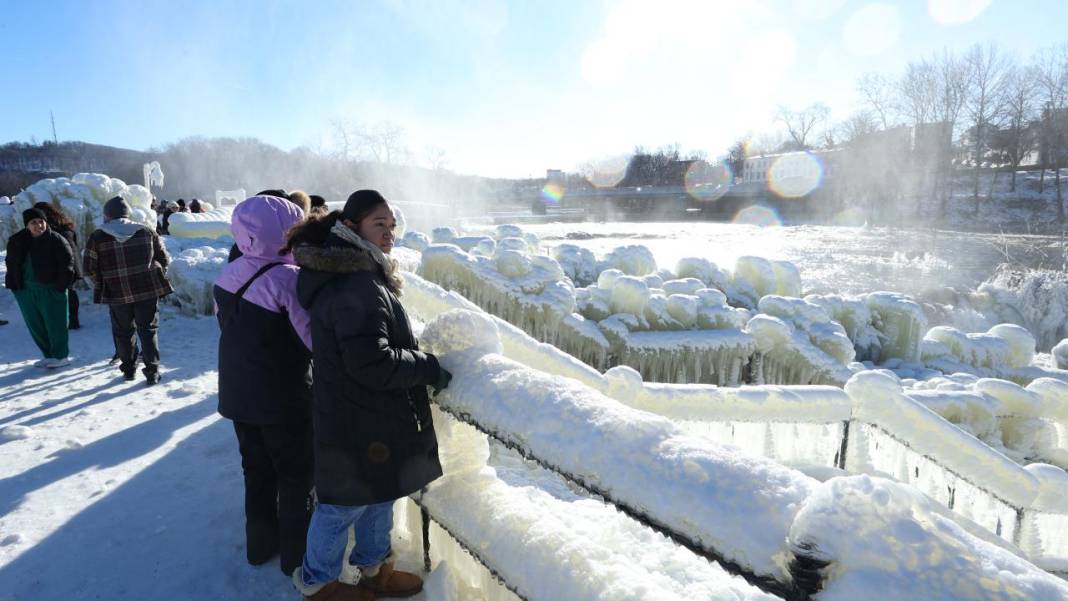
(114, 490)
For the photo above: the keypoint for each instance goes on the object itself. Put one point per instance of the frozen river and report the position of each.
(832, 259)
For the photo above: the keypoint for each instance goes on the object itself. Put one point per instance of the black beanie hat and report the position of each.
(116, 208)
(30, 214)
(360, 203)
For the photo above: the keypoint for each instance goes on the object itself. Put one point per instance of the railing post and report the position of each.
(424, 517)
(844, 447)
(805, 571)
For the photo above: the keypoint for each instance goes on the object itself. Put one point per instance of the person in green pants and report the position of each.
(40, 268)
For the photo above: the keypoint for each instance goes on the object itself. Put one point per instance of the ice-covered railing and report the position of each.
(870, 427)
(82, 197)
(1027, 424)
(753, 516)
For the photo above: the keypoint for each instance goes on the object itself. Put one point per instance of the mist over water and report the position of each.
(831, 259)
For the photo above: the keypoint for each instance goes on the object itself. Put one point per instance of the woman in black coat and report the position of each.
(374, 438)
(61, 224)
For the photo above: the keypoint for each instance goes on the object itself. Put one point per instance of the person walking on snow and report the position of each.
(40, 268)
(374, 437)
(127, 263)
(265, 380)
(61, 224)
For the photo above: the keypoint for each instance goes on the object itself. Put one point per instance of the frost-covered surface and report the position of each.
(711, 493)
(1006, 351)
(195, 264)
(209, 224)
(861, 522)
(82, 197)
(551, 543)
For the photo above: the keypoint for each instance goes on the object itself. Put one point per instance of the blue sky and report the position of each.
(505, 88)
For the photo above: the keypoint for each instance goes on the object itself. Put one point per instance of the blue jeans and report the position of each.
(328, 535)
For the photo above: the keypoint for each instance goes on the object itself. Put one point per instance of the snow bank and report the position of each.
(634, 259)
(884, 536)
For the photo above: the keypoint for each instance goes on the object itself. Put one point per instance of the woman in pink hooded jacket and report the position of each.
(265, 380)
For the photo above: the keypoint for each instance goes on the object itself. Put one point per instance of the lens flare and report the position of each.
(606, 173)
(552, 193)
(706, 182)
(757, 215)
(956, 12)
(795, 175)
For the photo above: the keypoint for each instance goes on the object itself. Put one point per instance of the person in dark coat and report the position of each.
(265, 380)
(374, 437)
(128, 265)
(40, 269)
(61, 224)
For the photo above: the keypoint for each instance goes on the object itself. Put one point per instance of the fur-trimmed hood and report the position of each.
(322, 263)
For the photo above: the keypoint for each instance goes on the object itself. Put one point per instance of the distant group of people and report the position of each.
(322, 376)
(126, 264)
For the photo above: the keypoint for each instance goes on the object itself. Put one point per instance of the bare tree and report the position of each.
(800, 124)
(1052, 66)
(384, 142)
(952, 91)
(880, 96)
(987, 71)
(736, 155)
(856, 126)
(435, 157)
(1018, 138)
(339, 130)
(918, 92)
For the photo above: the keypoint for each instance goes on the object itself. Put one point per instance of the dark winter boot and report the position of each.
(389, 582)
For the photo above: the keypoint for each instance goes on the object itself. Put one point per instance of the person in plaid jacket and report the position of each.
(127, 264)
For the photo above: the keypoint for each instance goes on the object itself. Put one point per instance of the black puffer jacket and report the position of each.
(53, 260)
(374, 438)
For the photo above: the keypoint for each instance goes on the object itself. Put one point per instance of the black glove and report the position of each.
(444, 377)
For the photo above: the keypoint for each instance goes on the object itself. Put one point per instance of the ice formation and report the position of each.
(82, 197)
(632, 260)
(530, 294)
(578, 263)
(442, 235)
(858, 522)
(209, 224)
(704, 270)
(415, 241)
(1060, 354)
(901, 320)
(802, 426)
(195, 264)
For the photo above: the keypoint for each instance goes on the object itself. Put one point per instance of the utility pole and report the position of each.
(55, 139)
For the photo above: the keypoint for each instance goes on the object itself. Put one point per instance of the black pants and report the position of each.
(278, 467)
(72, 308)
(144, 317)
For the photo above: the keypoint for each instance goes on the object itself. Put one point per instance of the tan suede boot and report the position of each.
(339, 591)
(389, 582)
